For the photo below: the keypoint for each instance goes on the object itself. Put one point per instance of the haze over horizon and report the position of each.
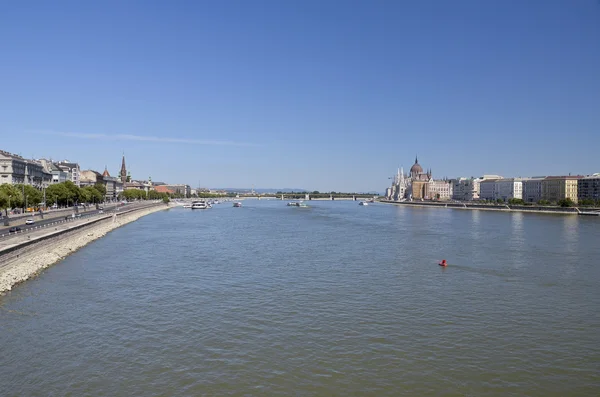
(328, 96)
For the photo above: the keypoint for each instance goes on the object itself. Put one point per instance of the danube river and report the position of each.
(335, 299)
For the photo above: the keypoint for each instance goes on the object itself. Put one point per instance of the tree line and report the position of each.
(66, 194)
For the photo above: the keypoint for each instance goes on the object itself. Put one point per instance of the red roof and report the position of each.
(162, 189)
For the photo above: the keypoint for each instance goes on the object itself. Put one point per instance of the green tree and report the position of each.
(101, 188)
(13, 195)
(4, 202)
(586, 203)
(544, 202)
(32, 198)
(567, 202)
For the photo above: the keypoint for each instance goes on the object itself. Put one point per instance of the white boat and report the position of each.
(363, 203)
(199, 205)
(297, 204)
(187, 206)
(237, 204)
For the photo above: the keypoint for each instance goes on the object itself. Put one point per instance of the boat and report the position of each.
(363, 203)
(237, 204)
(199, 205)
(297, 204)
(187, 206)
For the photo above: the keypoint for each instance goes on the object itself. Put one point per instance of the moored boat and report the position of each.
(199, 205)
(237, 204)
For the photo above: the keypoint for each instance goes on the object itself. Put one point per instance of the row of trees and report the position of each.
(65, 194)
(62, 194)
(136, 194)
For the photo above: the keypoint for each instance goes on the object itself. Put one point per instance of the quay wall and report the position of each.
(500, 208)
(31, 256)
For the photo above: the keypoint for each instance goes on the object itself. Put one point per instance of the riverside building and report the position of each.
(588, 188)
(532, 189)
(556, 188)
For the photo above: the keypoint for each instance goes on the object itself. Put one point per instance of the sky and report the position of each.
(320, 95)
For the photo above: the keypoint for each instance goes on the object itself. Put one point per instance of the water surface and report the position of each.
(335, 299)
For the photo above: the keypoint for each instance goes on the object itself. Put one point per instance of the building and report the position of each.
(556, 188)
(15, 169)
(588, 188)
(90, 178)
(163, 189)
(113, 186)
(532, 189)
(123, 173)
(440, 190)
(397, 191)
(58, 175)
(419, 182)
(509, 188)
(184, 190)
(72, 169)
(487, 189)
(468, 189)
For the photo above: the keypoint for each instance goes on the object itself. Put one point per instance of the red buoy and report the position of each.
(443, 263)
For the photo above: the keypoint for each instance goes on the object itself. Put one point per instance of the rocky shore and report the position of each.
(31, 260)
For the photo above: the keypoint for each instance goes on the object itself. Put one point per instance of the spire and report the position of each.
(123, 173)
(416, 159)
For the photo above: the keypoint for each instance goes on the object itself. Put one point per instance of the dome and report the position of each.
(416, 168)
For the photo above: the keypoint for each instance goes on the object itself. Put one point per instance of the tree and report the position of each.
(101, 188)
(32, 196)
(14, 196)
(90, 194)
(544, 202)
(567, 202)
(4, 202)
(586, 203)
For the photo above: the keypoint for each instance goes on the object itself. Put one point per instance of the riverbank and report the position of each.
(499, 208)
(20, 264)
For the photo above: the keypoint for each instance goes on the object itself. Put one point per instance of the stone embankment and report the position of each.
(30, 258)
(498, 208)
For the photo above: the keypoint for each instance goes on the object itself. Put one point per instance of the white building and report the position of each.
(400, 185)
(440, 190)
(532, 189)
(510, 188)
(468, 189)
(72, 169)
(502, 188)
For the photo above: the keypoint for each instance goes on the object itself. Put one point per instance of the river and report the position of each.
(334, 299)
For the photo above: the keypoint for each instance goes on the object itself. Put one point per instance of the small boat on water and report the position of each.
(297, 204)
(363, 203)
(237, 204)
(199, 205)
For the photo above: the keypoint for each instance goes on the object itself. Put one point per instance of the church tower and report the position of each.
(123, 173)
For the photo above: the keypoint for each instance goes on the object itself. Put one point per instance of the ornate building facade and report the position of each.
(418, 185)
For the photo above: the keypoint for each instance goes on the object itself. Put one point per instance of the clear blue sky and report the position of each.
(326, 95)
